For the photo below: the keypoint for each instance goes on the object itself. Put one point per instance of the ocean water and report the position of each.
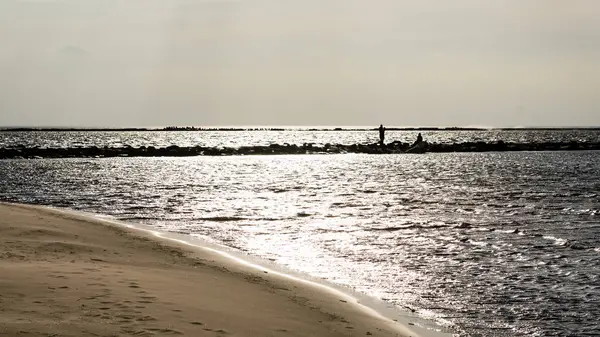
(265, 138)
(488, 244)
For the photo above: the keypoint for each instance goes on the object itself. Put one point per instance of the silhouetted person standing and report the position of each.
(381, 134)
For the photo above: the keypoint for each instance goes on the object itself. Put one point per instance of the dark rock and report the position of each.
(21, 151)
(573, 145)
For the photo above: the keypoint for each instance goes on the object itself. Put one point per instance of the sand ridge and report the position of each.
(67, 275)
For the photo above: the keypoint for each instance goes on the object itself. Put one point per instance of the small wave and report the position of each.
(180, 232)
(566, 243)
(478, 243)
(271, 219)
(222, 218)
(434, 226)
(345, 205)
(412, 226)
(137, 218)
(511, 231)
(557, 241)
(137, 208)
(576, 246)
(392, 229)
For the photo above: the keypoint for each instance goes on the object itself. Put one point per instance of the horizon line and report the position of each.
(288, 128)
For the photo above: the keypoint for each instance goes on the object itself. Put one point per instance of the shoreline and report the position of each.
(370, 304)
(341, 313)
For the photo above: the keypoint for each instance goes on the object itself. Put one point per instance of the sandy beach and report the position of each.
(64, 274)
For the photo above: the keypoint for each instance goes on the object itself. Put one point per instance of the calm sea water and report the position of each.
(491, 244)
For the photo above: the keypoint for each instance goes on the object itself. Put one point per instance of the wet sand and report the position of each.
(64, 274)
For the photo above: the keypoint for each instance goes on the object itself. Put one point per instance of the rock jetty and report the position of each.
(277, 149)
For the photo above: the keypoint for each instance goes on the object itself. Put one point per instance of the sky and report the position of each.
(125, 63)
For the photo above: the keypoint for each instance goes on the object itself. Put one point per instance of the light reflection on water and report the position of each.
(264, 138)
(496, 243)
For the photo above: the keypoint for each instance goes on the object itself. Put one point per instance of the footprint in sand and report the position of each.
(58, 276)
(165, 331)
(219, 332)
(133, 284)
(148, 297)
(96, 284)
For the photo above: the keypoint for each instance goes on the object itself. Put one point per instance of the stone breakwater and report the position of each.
(309, 148)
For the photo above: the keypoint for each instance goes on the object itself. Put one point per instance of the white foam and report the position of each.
(557, 241)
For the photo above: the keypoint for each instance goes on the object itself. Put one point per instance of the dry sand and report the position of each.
(63, 274)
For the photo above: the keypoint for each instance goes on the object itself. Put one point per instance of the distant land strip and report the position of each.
(194, 128)
(23, 152)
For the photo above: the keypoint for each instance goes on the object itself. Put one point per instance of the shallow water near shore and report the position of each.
(492, 244)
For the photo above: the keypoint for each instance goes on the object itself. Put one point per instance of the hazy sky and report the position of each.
(300, 62)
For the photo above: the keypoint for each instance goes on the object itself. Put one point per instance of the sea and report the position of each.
(483, 244)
